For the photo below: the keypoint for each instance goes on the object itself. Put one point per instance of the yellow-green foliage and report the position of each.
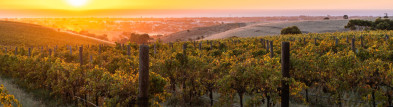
(231, 67)
(6, 99)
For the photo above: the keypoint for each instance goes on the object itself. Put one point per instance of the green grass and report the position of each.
(22, 34)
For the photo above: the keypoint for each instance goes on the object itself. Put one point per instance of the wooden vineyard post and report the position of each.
(337, 42)
(347, 39)
(91, 59)
(50, 52)
(361, 41)
(200, 49)
(5, 51)
(304, 41)
(211, 44)
(262, 42)
(29, 52)
(16, 50)
(42, 51)
(99, 49)
(128, 50)
(184, 49)
(143, 97)
(267, 45)
(194, 44)
(271, 49)
(315, 41)
(54, 50)
(200, 45)
(386, 38)
(171, 45)
(285, 55)
(353, 45)
(81, 55)
(70, 50)
(155, 49)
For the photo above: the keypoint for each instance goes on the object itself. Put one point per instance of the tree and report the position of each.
(383, 26)
(345, 17)
(361, 24)
(291, 30)
(386, 15)
(139, 38)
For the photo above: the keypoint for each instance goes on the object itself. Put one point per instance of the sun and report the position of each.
(77, 3)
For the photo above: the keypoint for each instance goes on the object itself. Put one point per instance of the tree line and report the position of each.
(378, 24)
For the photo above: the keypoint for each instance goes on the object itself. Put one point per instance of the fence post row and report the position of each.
(285, 53)
(143, 97)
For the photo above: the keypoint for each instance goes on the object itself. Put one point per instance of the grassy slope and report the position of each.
(22, 34)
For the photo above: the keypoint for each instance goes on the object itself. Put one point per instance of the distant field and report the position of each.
(22, 34)
(263, 29)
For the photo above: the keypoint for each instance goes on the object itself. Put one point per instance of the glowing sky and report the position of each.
(199, 4)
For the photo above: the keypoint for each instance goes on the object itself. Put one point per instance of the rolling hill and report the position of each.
(254, 29)
(201, 32)
(22, 34)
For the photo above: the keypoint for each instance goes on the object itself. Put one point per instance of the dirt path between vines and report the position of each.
(24, 98)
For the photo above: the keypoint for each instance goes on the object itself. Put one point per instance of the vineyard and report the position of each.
(340, 69)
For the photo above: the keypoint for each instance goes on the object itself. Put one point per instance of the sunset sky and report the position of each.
(197, 4)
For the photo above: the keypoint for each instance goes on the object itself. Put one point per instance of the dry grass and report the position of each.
(24, 98)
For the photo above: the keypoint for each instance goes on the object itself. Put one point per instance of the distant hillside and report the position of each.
(200, 32)
(22, 34)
